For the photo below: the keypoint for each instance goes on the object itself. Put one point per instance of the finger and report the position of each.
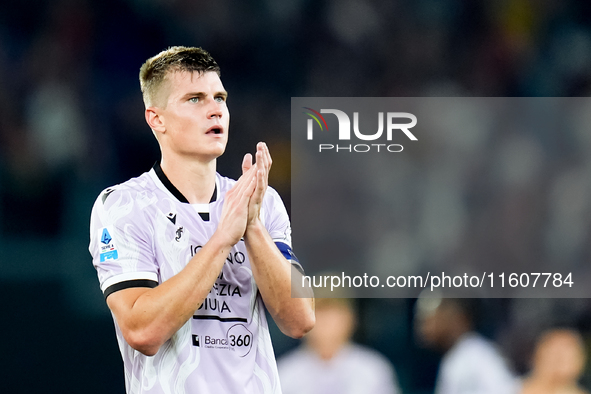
(244, 180)
(246, 162)
(266, 156)
(259, 159)
(247, 177)
(241, 191)
(249, 189)
(264, 159)
(259, 191)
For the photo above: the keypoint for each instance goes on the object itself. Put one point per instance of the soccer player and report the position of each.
(331, 361)
(471, 363)
(188, 260)
(558, 364)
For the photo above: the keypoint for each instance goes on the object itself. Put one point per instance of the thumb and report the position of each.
(246, 163)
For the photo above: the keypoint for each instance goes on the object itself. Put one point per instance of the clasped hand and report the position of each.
(243, 202)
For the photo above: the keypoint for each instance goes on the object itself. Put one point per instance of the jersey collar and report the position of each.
(172, 188)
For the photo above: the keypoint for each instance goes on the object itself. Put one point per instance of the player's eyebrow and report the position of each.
(194, 94)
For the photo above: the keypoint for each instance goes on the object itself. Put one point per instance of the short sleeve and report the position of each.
(278, 225)
(121, 241)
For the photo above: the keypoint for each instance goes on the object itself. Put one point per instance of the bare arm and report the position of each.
(272, 273)
(271, 270)
(149, 317)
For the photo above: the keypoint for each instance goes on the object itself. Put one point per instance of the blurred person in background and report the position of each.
(329, 362)
(557, 365)
(471, 363)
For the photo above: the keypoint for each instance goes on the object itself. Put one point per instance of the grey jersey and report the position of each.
(142, 233)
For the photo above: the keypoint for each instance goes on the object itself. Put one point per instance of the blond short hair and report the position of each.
(179, 58)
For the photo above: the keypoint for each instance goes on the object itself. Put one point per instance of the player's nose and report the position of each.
(214, 109)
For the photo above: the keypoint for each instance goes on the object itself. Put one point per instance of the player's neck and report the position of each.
(194, 179)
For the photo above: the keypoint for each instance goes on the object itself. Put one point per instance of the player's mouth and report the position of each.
(217, 129)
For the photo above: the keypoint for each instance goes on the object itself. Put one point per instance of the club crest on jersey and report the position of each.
(107, 249)
(179, 233)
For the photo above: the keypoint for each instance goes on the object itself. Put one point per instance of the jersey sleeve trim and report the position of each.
(290, 256)
(286, 251)
(129, 276)
(129, 284)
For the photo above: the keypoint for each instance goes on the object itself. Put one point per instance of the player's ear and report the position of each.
(155, 119)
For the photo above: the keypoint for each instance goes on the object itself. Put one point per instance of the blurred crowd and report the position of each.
(71, 123)
(330, 361)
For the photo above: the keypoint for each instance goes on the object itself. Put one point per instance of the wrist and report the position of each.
(253, 227)
(220, 241)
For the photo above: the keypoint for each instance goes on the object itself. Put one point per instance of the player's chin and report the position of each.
(220, 148)
(211, 152)
(216, 150)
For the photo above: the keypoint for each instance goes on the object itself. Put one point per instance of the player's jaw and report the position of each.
(195, 141)
(203, 139)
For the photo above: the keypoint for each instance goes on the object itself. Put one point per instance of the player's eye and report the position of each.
(194, 99)
(220, 99)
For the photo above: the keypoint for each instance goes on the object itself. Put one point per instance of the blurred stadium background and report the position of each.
(71, 124)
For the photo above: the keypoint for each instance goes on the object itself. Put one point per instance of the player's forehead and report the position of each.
(182, 82)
